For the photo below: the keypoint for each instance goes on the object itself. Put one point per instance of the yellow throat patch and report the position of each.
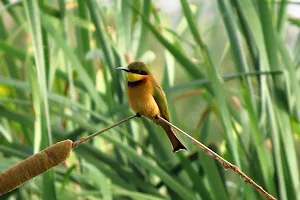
(132, 77)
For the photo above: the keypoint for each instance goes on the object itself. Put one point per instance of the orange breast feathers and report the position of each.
(141, 99)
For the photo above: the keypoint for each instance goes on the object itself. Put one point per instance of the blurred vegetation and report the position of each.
(229, 69)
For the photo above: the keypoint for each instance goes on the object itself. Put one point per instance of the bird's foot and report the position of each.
(138, 115)
(156, 117)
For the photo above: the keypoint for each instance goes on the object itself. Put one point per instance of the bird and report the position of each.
(147, 98)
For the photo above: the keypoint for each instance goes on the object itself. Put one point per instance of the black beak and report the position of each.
(124, 68)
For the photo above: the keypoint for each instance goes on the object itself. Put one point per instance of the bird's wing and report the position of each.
(160, 98)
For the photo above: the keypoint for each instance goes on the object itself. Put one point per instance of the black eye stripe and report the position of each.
(139, 72)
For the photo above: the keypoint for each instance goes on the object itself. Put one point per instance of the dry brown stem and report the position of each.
(226, 164)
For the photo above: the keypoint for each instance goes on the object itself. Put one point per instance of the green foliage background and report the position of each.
(231, 79)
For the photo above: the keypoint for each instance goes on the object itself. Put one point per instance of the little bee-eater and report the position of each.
(148, 99)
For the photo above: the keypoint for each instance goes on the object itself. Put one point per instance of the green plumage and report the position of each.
(148, 99)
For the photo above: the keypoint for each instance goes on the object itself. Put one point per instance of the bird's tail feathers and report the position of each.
(176, 144)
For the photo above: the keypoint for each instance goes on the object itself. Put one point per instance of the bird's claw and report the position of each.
(156, 117)
(138, 115)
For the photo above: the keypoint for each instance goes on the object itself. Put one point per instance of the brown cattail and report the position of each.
(43, 161)
(34, 165)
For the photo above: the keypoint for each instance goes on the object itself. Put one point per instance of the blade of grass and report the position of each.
(124, 28)
(236, 45)
(248, 35)
(103, 41)
(5, 133)
(40, 101)
(83, 38)
(11, 50)
(281, 14)
(134, 195)
(101, 181)
(269, 37)
(214, 178)
(11, 68)
(295, 108)
(275, 137)
(9, 7)
(94, 11)
(95, 156)
(216, 84)
(47, 25)
(265, 164)
(189, 66)
(289, 156)
(227, 77)
(198, 182)
(144, 33)
(293, 89)
(40, 94)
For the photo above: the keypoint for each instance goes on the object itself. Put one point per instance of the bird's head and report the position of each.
(136, 71)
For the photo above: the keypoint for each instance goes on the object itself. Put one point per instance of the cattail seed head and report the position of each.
(34, 165)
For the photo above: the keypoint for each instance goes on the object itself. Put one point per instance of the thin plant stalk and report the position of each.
(226, 164)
